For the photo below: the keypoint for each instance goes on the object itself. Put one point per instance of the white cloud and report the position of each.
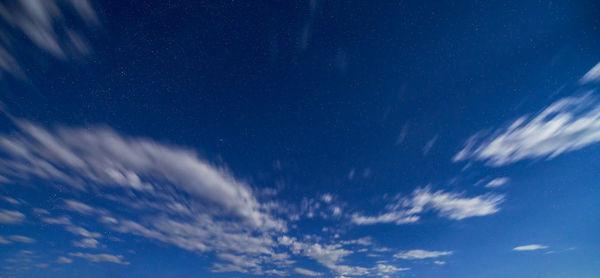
(86, 243)
(118, 259)
(397, 217)
(421, 254)
(12, 201)
(365, 241)
(63, 260)
(21, 239)
(497, 182)
(307, 272)
(383, 269)
(566, 125)
(79, 207)
(4, 241)
(104, 158)
(327, 198)
(530, 247)
(450, 205)
(43, 24)
(439, 262)
(337, 211)
(11, 217)
(592, 76)
(430, 144)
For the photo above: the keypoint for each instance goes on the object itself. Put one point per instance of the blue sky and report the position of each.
(299, 138)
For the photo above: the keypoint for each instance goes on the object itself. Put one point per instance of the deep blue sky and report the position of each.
(299, 138)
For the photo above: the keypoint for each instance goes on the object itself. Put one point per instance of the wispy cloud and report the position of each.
(497, 182)
(419, 254)
(178, 198)
(86, 243)
(118, 259)
(566, 125)
(21, 239)
(592, 76)
(307, 272)
(45, 26)
(530, 247)
(63, 260)
(11, 216)
(450, 205)
(430, 144)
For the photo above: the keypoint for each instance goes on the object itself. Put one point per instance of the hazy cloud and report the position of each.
(566, 125)
(530, 247)
(421, 254)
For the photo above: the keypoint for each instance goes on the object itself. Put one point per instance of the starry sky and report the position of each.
(299, 138)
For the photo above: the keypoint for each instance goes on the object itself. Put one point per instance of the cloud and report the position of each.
(450, 205)
(12, 201)
(307, 272)
(592, 76)
(70, 227)
(530, 247)
(402, 134)
(332, 256)
(63, 260)
(497, 182)
(566, 125)
(421, 254)
(11, 217)
(118, 259)
(383, 269)
(439, 262)
(430, 144)
(79, 207)
(102, 158)
(86, 243)
(44, 26)
(4, 241)
(21, 239)
(326, 198)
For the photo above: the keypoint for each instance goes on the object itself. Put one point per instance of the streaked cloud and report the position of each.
(118, 259)
(63, 260)
(446, 204)
(307, 272)
(592, 76)
(46, 27)
(530, 247)
(430, 144)
(21, 239)
(86, 243)
(497, 182)
(566, 125)
(4, 241)
(11, 217)
(419, 254)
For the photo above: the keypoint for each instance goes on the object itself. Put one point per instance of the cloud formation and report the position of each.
(450, 205)
(46, 26)
(419, 254)
(566, 125)
(11, 217)
(592, 76)
(117, 259)
(497, 182)
(530, 247)
(307, 272)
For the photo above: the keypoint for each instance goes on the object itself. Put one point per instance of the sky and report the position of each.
(299, 138)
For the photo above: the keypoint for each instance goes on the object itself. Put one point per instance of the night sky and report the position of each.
(299, 138)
